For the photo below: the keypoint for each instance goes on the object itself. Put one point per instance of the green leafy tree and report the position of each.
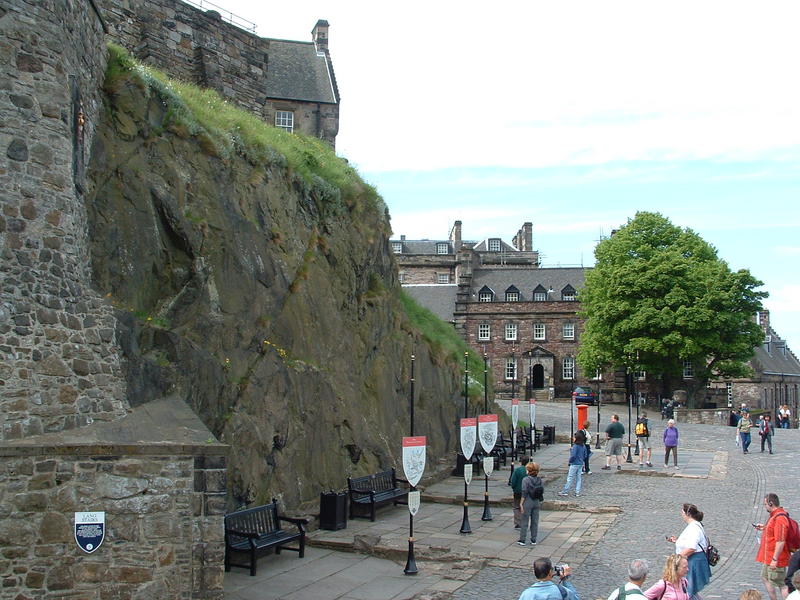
(659, 295)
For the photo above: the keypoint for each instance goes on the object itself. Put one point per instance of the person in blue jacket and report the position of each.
(545, 588)
(577, 457)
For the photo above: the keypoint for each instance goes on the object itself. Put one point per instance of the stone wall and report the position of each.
(163, 513)
(60, 365)
(199, 47)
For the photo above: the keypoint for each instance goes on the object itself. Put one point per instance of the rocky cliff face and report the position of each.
(268, 304)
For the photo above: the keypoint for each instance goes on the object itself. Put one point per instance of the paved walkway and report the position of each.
(620, 515)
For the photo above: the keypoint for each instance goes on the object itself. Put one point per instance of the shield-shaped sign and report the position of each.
(468, 473)
(488, 465)
(533, 412)
(413, 502)
(414, 458)
(487, 431)
(468, 433)
(514, 412)
(90, 529)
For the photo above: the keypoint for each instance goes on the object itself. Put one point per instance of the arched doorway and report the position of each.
(537, 377)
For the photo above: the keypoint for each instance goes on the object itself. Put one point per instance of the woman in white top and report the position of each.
(692, 543)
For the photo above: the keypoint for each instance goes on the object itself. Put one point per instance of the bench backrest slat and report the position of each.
(260, 520)
(377, 482)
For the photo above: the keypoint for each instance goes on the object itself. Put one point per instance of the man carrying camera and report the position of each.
(547, 589)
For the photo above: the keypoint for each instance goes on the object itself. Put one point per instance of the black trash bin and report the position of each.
(333, 510)
(549, 434)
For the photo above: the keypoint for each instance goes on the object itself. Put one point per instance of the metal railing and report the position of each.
(224, 13)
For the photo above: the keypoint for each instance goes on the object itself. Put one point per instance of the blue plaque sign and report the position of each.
(90, 529)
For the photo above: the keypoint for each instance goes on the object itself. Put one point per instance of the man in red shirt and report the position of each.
(772, 552)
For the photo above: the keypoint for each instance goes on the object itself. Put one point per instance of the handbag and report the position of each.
(712, 554)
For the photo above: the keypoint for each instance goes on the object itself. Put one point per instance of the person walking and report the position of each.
(765, 431)
(642, 431)
(772, 551)
(673, 584)
(670, 437)
(515, 482)
(785, 417)
(743, 427)
(588, 434)
(692, 544)
(577, 457)
(532, 496)
(637, 573)
(614, 432)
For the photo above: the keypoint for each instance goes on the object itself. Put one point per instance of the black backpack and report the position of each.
(537, 493)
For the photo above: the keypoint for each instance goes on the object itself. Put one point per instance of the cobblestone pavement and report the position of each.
(730, 497)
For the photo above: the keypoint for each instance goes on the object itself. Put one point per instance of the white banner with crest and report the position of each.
(414, 458)
(487, 431)
(468, 433)
(468, 473)
(488, 465)
(413, 502)
(514, 412)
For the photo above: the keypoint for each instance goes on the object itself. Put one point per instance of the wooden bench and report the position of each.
(254, 530)
(370, 490)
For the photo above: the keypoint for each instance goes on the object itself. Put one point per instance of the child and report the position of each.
(577, 457)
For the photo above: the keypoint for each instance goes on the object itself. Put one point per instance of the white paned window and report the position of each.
(485, 297)
(285, 120)
(511, 332)
(441, 248)
(568, 295)
(640, 375)
(511, 368)
(568, 368)
(512, 296)
(568, 331)
(538, 331)
(539, 296)
(442, 278)
(494, 245)
(484, 332)
(397, 247)
(688, 368)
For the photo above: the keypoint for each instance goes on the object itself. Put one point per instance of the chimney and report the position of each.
(320, 36)
(402, 238)
(523, 241)
(763, 320)
(455, 236)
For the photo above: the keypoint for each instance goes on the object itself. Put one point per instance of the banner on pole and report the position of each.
(468, 473)
(488, 465)
(487, 431)
(413, 502)
(414, 458)
(514, 412)
(533, 411)
(468, 433)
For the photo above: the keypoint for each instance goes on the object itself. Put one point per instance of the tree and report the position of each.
(659, 296)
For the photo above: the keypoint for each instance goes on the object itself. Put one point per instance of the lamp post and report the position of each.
(465, 527)
(513, 429)
(411, 563)
(628, 387)
(636, 394)
(487, 513)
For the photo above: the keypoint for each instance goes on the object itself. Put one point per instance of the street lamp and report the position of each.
(487, 513)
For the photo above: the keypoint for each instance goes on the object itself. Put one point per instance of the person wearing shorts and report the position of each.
(614, 433)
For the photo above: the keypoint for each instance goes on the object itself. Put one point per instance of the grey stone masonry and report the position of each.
(59, 364)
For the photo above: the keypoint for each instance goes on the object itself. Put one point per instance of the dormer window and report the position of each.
(397, 247)
(494, 245)
(539, 294)
(568, 294)
(512, 294)
(485, 295)
(442, 248)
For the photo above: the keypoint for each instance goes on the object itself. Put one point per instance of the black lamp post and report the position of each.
(636, 395)
(487, 513)
(629, 387)
(465, 528)
(513, 429)
(411, 563)
(597, 401)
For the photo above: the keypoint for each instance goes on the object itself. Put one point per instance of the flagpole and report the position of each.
(411, 563)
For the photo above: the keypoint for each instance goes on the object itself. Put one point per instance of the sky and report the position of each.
(574, 116)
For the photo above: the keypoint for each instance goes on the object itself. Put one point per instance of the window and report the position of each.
(484, 332)
(568, 294)
(402, 277)
(441, 248)
(568, 331)
(285, 120)
(442, 278)
(511, 368)
(539, 294)
(494, 245)
(729, 392)
(640, 375)
(511, 332)
(485, 295)
(512, 294)
(397, 247)
(688, 368)
(538, 331)
(568, 368)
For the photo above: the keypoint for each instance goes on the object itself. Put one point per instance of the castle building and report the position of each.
(290, 84)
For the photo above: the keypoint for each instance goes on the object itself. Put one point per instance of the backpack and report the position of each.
(792, 533)
(641, 429)
(537, 493)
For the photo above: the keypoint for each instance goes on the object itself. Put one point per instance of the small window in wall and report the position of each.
(484, 332)
(512, 294)
(688, 369)
(443, 278)
(538, 331)
(568, 331)
(485, 295)
(441, 248)
(397, 247)
(539, 294)
(640, 375)
(285, 120)
(494, 245)
(568, 368)
(568, 294)
(511, 332)
(511, 368)
(729, 392)
(402, 277)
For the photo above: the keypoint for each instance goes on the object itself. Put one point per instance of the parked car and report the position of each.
(584, 395)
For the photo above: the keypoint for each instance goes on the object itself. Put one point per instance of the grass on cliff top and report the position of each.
(442, 337)
(231, 130)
